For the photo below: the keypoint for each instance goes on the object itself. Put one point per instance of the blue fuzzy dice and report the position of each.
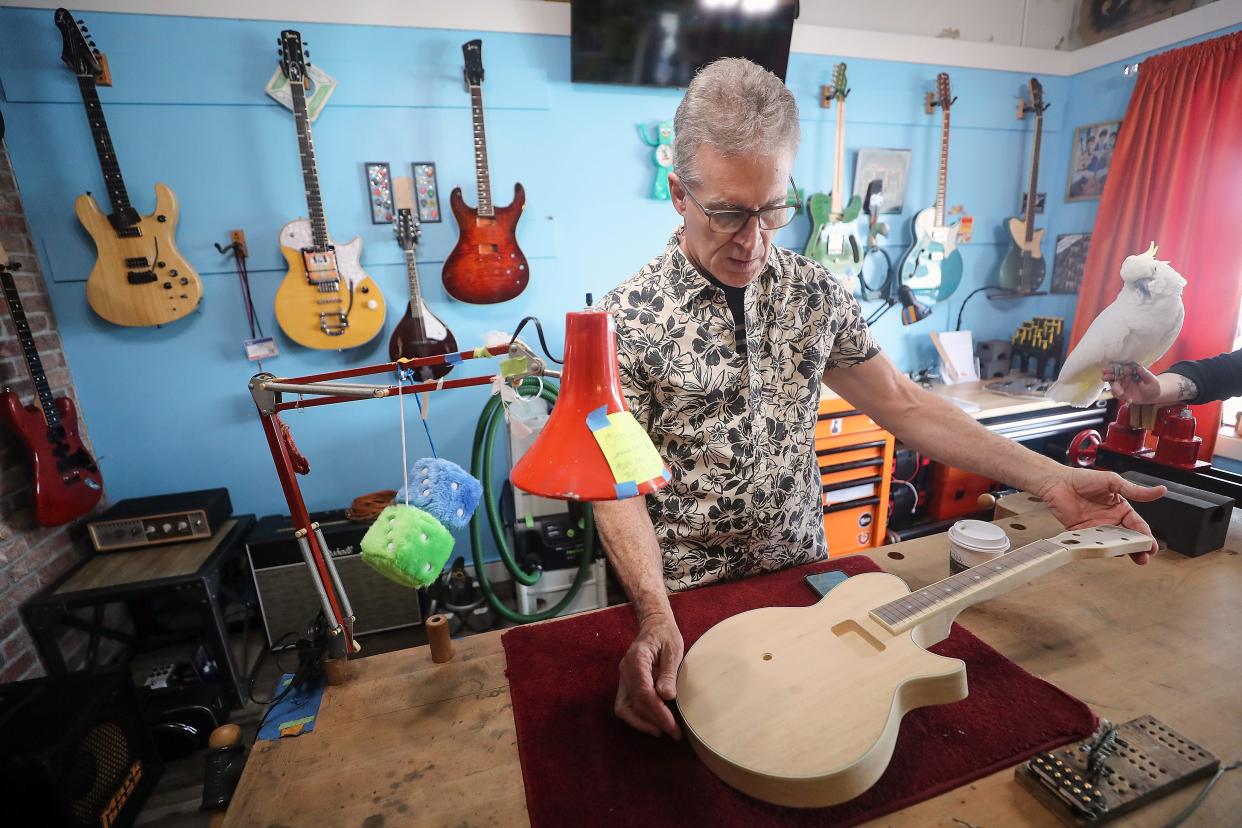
(444, 490)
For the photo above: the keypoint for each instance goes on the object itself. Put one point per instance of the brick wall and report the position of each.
(30, 556)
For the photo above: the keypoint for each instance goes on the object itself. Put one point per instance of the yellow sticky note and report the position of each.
(628, 449)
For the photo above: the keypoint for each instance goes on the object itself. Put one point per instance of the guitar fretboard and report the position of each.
(481, 172)
(920, 605)
(115, 184)
(944, 169)
(1031, 196)
(310, 175)
(838, 175)
(411, 271)
(33, 363)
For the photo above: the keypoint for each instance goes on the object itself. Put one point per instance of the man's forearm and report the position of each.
(938, 428)
(629, 538)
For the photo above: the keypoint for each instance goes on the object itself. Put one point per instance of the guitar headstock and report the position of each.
(294, 58)
(1103, 542)
(1037, 97)
(406, 228)
(840, 89)
(472, 51)
(78, 51)
(943, 93)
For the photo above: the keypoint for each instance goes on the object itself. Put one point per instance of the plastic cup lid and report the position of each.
(980, 535)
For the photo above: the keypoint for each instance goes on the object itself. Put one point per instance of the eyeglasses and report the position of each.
(734, 219)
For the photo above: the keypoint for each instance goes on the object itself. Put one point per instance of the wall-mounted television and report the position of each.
(664, 42)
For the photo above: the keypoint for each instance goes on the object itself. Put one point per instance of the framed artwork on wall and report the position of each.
(1090, 157)
(891, 167)
(379, 192)
(1071, 259)
(426, 192)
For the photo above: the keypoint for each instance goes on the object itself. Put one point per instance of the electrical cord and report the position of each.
(883, 290)
(1001, 293)
(543, 343)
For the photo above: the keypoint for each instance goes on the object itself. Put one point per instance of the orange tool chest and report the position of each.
(855, 458)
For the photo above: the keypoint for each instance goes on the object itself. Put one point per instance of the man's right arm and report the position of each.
(649, 668)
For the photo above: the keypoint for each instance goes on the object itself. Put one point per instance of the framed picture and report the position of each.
(1090, 157)
(379, 192)
(426, 192)
(1071, 258)
(891, 167)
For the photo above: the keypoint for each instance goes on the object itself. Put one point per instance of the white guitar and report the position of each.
(801, 706)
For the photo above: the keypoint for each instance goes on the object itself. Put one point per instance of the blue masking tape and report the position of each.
(627, 489)
(598, 418)
(452, 359)
(667, 475)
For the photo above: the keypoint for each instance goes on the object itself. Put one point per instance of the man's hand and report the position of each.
(649, 677)
(1133, 383)
(1081, 497)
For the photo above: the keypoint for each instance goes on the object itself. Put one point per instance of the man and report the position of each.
(722, 341)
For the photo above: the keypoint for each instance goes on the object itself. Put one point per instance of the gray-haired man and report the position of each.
(723, 339)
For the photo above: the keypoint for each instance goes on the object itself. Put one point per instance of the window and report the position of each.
(1233, 407)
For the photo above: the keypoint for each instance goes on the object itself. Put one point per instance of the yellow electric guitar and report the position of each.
(139, 277)
(326, 300)
(800, 706)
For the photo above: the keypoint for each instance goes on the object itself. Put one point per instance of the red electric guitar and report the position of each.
(67, 483)
(486, 266)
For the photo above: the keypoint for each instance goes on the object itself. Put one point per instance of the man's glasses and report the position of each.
(734, 219)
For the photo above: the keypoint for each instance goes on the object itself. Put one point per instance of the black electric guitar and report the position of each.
(420, 333)
(67, 483)
(1024, 267)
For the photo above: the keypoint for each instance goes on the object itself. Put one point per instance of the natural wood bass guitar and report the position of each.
(67, 483)
(326, 300)
(486, 265)
(139, 277)
(800, 706)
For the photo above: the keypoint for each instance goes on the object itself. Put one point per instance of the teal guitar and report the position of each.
(932, 267)
(1024, 268)
(834, 239)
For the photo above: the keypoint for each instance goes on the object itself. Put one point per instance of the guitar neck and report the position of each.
(33, 364)
(310, 175)
(115, 184)
(481, 172)
(1031, 194)
(416, 293)
(944, 169)
(838, 176)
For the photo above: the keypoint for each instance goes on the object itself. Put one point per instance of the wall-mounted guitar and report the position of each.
(67, 483)
(1024, 267)
(834, 235)
(932, 267)
(863, 647)
(139, 277)
(419, 333)
(486, 266)
(326, 300)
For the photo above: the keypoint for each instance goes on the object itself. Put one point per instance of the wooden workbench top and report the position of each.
(989, 404)
(410, 742)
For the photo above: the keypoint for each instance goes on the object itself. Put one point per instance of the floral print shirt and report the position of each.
(736, 430)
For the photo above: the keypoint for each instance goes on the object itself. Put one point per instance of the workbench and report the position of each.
(410, 742)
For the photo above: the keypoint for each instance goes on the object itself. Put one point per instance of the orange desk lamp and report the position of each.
(568, 461)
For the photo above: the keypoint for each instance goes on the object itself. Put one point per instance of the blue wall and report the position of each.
(168, 408)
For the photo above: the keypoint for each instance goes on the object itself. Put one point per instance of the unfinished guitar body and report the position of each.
(139, 278)
(840, 681)
(800, 706)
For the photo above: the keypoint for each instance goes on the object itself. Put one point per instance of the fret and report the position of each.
(1031, 194)
(411, 270)
(102, 139)
(34, 365)
(944, 170)
(310, 175)
(481, 172)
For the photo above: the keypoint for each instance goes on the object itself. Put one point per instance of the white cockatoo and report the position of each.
(1137, 328)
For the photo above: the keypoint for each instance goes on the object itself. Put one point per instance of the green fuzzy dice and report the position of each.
(407, 545)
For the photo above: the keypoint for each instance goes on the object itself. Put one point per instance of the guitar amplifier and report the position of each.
(74, 751)
(169, 518)
(287, 597)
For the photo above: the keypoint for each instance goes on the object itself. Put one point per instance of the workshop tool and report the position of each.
(1189, 520)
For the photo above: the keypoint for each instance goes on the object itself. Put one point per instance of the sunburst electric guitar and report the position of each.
(420, 333)
(834, 235)
(932, 267)
(486, 265)
(139, 277)
(801, 706)
(326, 301)
(1024, 267)
(67, 483)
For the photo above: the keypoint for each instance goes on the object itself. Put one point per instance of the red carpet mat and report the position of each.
(584, 766)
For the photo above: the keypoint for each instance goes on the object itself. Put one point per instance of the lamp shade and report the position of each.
(912, 310)
(568, 460)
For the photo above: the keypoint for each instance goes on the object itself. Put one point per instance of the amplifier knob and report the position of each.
(182, 526)
(151, 529)
(167, 527)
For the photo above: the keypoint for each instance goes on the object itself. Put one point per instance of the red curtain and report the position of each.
(1176, 179)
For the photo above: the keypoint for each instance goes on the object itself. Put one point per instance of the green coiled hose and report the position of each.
(481, 467)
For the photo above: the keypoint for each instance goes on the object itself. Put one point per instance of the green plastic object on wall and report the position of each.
(661, 140)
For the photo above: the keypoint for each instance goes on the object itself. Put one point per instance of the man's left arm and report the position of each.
(936, 427)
